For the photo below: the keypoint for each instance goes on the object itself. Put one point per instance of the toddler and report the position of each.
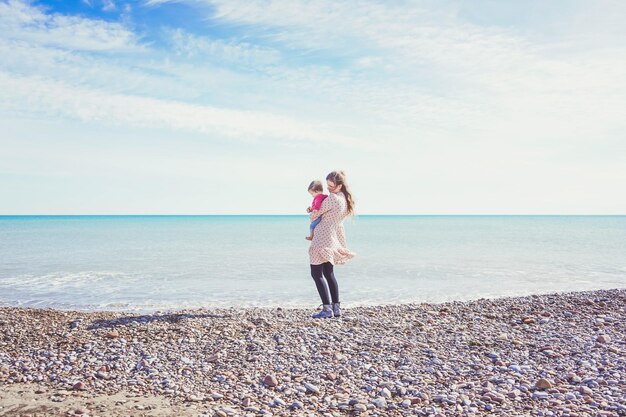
(316, 190)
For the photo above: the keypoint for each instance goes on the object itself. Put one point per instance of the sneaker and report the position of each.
(336, 310)
(326, 313)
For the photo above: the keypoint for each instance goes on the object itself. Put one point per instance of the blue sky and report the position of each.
(202, 107)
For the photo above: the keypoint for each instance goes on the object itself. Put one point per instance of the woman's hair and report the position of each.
(316, 186)
(339, 178)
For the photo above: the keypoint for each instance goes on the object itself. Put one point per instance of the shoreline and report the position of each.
(304, 307)
(557, 354)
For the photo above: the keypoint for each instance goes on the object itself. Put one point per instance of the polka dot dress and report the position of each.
(329, 238)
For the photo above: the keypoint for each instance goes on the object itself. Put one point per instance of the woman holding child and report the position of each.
(328, 240)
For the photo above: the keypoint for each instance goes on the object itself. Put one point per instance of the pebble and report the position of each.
(270, 381)
(311, 388)
(360, 407)
(516, 368)
(297, 405)
(277, 402)
(543, 384)
(380, 403)
(457, 358)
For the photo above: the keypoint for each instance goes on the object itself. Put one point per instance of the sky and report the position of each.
(234, 106)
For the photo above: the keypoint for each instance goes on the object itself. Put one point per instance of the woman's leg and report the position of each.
(329, 274)
(320, 283)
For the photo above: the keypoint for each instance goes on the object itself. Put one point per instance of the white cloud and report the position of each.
(21, 21)
(109, 6)
(37, 96)
(228, 52)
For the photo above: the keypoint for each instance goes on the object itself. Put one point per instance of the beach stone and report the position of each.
(380, 403)
(311, 388)
(603, 338)
(114, 334)
(277, 402)
(360, 407)
(385, 393)
(270, 381)
(494, 396)
(543, 384)
(195, 398)
(513, 394)
(296, 405)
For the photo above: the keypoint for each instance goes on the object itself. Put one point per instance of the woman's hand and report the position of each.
(308, 209)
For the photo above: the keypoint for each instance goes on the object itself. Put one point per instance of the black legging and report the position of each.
(327, 269)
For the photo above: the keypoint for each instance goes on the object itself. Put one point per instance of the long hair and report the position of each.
(339, 178)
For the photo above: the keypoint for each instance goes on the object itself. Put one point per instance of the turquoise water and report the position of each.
(148, 263)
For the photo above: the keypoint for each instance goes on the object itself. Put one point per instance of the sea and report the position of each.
(168, 263)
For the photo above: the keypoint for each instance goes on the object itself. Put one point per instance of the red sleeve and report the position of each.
(326, 205)
(317, 202)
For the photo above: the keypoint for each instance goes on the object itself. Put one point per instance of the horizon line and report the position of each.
(304, 214)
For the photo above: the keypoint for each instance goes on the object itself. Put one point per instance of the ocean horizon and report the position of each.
(170, 262)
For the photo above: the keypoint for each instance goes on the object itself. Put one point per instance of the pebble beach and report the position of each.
(545, 355)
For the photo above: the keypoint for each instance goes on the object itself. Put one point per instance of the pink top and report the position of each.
(317, 201)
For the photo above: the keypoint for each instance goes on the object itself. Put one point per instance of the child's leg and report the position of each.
(314, 223)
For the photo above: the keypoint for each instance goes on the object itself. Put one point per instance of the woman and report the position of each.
(328, 247)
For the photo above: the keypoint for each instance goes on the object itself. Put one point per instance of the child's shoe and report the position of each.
(326, 313)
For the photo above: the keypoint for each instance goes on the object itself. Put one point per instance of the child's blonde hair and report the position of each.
(316, 186)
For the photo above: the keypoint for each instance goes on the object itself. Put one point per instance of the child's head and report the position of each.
(316, 187)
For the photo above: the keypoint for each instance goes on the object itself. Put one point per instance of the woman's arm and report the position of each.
(326, 206)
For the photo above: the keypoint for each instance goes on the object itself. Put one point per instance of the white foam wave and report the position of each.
(58, 280)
